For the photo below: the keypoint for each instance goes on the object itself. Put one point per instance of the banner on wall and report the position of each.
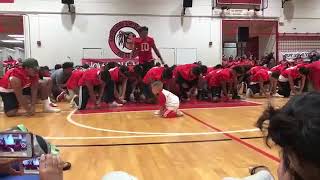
(294, 55)
(96, 63)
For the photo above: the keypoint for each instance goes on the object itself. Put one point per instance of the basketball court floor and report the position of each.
(206, 143)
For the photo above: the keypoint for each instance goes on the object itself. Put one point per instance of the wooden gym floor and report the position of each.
(205, 144)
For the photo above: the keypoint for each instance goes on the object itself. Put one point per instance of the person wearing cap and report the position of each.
(21, 82)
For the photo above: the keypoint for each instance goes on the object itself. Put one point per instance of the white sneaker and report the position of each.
(132, 98)
(115, 104)
(51, 110)
(249, 93)
(179, 113)
(157, 113)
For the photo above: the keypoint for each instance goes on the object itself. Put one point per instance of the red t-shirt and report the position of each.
(185, 71)
(154, 74)
(255, 69)
(21, 74)
(144, 49)
(279, 68)
(114, 73)
(91, 76)
(262, 73)
(218, 76)
(292, 71)
(74, 79)
(9, 64)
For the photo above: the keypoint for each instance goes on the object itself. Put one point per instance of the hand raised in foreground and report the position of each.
(51, 167)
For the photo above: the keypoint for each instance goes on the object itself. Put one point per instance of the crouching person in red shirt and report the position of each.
(91, 80)
(169, 103)
(21, 82)
(218, 82)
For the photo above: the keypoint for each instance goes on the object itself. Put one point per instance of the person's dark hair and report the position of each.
(85, 66)
(275, 75)
(166, 66)
(304, 70)
(219, 66)
(124, 70)
(158, 64)
(296, 129)
(167, 74)
(204, 69)
(143, 28)
(105, 76)
(46, 68)
(57, 66)
(111, 65)
(67, 65)
(238, 69)
(138, 69)
(196, 71)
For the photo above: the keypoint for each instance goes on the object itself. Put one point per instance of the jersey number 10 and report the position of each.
(145, 47)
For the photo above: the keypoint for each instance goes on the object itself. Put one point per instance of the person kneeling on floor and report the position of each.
(21, 82)
(169, 103)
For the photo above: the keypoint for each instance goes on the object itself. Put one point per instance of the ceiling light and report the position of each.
(12, 41)
(16, 36)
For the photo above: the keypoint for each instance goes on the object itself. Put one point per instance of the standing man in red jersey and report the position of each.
(143, 48)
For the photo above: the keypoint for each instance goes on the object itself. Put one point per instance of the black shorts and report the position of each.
(10, 101)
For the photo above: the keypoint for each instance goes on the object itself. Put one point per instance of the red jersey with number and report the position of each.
(114, 73)
(21, 74)
(144, 47)
(74, 79)
(279, 68)
(154, 74)
(90, 76)
(185, 72)
(219, 76)
(262, 74)
(292, 71)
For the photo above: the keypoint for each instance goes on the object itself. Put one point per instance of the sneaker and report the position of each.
(179, 113)
(132, 99)
(53, 104)
(115, 104)
(61, 96)
(249, 93)
(51, 110)
(157, 113)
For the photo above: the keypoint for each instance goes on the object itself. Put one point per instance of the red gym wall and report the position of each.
(244, 2)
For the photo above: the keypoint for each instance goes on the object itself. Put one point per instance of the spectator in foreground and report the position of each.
(295, 128)
(51, 167)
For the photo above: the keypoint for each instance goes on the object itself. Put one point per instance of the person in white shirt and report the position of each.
(169, 103)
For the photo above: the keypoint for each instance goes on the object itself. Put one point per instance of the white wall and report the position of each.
(62, 37)
(299, 16)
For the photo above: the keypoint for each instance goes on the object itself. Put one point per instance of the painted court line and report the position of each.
(270, 156)
(116, 112)
(70, 120)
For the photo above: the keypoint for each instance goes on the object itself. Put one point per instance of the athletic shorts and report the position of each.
(10, 101)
